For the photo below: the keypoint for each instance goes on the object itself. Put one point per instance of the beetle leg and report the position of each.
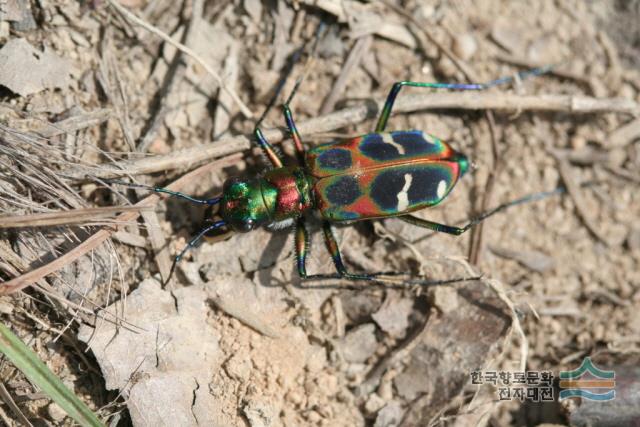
(295, 135)
(267, 147)
(456, 231)
(302, 247)
(342, 273)
(332, 246)
(442, 228)
(395, 89)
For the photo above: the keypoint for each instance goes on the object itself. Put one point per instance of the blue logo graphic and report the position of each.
(599, 385)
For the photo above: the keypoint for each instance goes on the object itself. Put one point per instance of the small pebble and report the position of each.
(446, 67)
(465, 46)
(374, 404)
(6, 307)
(359, 343)
(445, 299)
(509, 38)
(633, 240)
(390, 416)
(314, 417)
(578, 142)
(56, 412)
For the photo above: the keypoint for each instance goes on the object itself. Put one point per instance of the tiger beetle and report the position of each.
(378, 175)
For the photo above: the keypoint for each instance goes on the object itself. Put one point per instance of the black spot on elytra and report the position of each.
(424, 186)
(375, 148)
(414, 143)
(385, 188)
(344, 191)
(335, 158)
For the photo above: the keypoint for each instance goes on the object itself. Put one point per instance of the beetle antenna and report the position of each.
(194, 241)
(210, 202)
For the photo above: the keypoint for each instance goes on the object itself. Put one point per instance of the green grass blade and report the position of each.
(38, 373)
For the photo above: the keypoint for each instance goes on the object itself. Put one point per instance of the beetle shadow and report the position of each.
(269, 257)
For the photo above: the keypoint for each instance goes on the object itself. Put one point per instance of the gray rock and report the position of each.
(359, 343)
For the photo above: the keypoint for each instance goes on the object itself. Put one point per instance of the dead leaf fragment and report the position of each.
(25, 70)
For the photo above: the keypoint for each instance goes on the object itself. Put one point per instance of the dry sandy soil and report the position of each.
(87, 93)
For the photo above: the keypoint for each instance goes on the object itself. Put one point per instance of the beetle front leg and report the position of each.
(295, 135)
(267, 147)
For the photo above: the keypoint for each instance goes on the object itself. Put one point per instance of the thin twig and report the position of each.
(624, 135)
(187, 51)
(189, 157)
(8, 400)
(70, 217)
(71, 124)
(360, 47)
(573, 190)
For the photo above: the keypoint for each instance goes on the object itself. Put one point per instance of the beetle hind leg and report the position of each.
(385, 279)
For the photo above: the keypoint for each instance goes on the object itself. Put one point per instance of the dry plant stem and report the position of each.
(475, 246)
(360, 47)
(8, 400)
(187, 158)
(574, 192)
(71, 124)
(624, 134)
(17, 264)
(70, 217)
(187, 51)
(100, 236)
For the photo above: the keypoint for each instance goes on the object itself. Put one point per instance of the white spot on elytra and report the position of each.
(403, 195)
(442, 188)
(387, 138)
(428, 138)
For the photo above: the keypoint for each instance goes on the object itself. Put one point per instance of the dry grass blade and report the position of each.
(70, 217)
(100, 236)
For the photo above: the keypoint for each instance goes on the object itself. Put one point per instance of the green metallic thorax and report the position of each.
(280, 194)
